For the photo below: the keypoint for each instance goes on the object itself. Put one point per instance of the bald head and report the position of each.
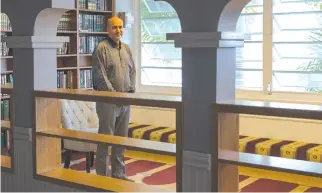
(115, 28)
(114, 20)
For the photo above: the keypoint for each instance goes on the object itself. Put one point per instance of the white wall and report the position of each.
(259, 126)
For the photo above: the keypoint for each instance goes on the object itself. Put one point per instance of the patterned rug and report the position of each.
(164, 175)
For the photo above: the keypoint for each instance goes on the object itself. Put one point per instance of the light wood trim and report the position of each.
(5, 161)
(6, 89)
(289, 110)
(129, 143)
(5, 125)
(279, 164)
(99, 182)
(47, 151)
(139, 99)
(228, 137)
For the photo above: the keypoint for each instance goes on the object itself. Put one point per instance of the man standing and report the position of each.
(113, 70)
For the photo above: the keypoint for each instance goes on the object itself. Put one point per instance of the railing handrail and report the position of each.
(140, 99)
(289, 110)
(96, 138)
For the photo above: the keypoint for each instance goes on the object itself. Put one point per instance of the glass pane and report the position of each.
(249, 59)
(298, 82)
(294, 50)
(251, 26)
(158, 6)
(252, 10)
(280, 64)
(250, 52)
(255, 2)
(297, 45)
(161, 77)
(161, 26)
(249, 80)
(164, 51)
(249, 65)
(147, 62)
(289, 6)
(297, 35)
(297, 21)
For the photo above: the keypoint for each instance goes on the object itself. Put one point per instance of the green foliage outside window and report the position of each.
(314, 65)
(145, 14)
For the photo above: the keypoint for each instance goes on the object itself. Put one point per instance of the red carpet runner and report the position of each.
(164, 175)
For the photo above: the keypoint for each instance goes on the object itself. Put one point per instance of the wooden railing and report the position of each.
(225, 160)
(226, 157)
(48, 135)
(7, 160)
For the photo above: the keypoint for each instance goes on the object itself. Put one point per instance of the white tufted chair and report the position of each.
(81, 116)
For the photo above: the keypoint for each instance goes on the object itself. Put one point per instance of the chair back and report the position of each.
(79, 115)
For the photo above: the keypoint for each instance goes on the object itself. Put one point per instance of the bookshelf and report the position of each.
(85, 25)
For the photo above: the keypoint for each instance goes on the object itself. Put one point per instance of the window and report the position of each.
(160, 60)
(297, 45)
(293, 46)
(249, 59)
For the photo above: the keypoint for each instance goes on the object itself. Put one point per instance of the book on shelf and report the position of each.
(5, 110)
(64, 50)
(4, 139)
(91, 22)
(65, 22)
(5, 115)
(5, 23)
(4, 48)
(100, 5)
(65, 79)
(86, 78)
(87, 44)
(6, 79)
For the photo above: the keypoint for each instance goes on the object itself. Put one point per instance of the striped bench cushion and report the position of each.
(281, 148)
(255, 145)
(153, 133)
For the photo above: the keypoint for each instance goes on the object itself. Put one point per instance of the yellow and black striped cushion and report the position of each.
(154, 133)
(281, 148)
(263, 146)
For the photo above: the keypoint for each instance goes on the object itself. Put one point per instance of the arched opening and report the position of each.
(47, 21)
(160, 60)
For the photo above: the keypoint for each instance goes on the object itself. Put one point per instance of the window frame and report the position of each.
(267, 94)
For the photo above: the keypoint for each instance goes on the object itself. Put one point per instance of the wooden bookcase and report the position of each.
(85, 25)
